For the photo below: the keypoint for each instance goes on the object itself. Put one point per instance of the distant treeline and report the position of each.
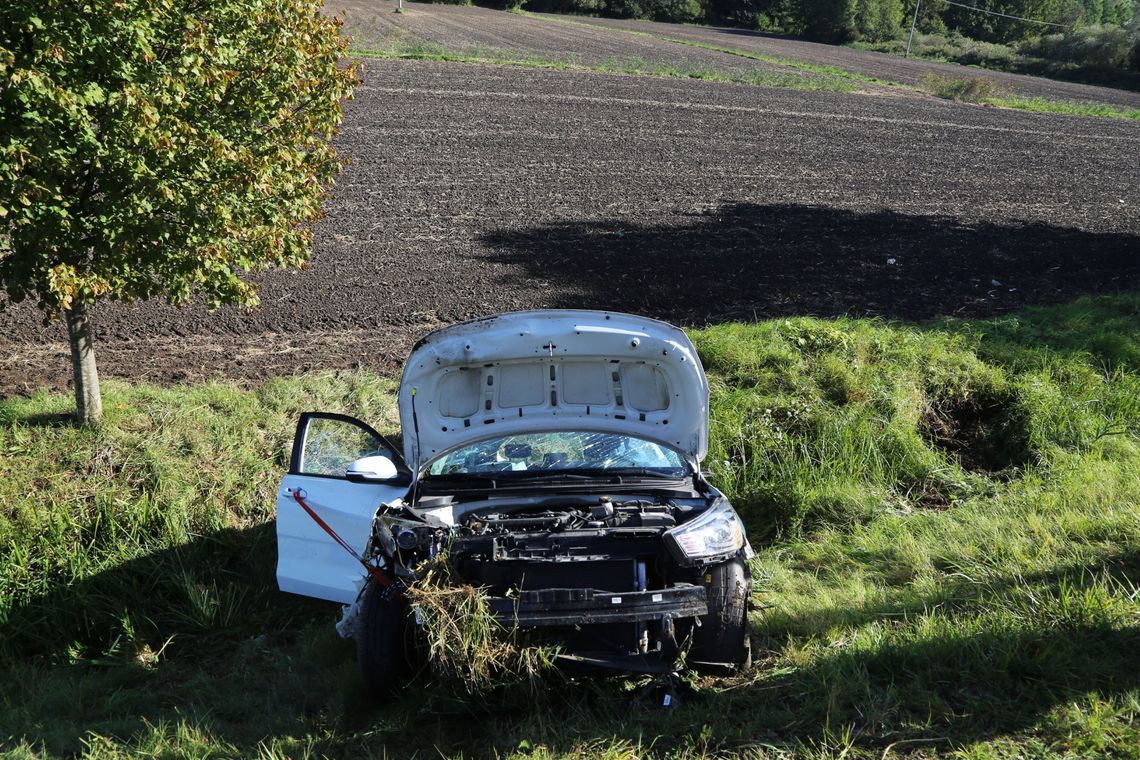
(869, 20)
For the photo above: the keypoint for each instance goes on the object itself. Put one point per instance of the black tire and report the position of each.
(721, 642)
(385, 649)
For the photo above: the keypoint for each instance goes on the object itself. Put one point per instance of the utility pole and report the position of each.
(913, 21)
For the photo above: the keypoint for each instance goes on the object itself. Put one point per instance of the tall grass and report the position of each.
(947, 520)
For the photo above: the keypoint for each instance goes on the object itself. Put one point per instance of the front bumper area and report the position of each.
(584, 606)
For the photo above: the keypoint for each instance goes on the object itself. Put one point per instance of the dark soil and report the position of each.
(884, 66)
(478, 189)
(985, 434)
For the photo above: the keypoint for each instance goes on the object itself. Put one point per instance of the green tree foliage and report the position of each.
(982, 26)
(881, 20)
(878, 20)
(829, 20)
(162, 148)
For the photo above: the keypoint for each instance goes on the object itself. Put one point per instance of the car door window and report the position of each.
(326, 444)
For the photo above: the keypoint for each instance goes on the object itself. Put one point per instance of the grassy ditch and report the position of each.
(947, 520)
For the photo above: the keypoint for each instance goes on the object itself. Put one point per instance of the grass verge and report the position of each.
(947, 520)
(835, 74)
(420, 50)
(988, 92)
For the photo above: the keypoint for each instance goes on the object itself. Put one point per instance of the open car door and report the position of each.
(310, 562)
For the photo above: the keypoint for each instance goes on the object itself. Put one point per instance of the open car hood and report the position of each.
(535, 371)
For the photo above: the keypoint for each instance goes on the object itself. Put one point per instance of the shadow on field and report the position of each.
(957, 679)
(747, 261)
(197, 633)
(206, 585)
(957, 592)
(46, 420)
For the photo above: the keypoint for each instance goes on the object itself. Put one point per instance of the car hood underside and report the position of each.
(538, 371)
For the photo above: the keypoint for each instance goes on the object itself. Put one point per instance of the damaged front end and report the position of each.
(629, 583)
(551, 460)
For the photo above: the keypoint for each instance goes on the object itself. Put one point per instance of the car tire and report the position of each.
(721, 643)
(385, 649)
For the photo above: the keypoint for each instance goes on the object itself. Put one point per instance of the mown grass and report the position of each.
(947, 520)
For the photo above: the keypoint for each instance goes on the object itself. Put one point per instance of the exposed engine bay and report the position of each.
(601, 575)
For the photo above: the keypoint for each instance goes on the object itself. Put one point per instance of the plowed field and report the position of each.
(475, 189)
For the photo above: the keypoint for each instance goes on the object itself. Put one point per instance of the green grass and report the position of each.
(829, 73)
(421, 50)
(1072, 108)
(948, 87)
(967, 89)
(986, 91)
(801, 75)
(946, 517)
(1018, 59)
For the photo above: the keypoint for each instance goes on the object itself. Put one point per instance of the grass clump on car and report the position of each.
(465, 646)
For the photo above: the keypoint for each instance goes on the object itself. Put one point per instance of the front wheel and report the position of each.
(721, 643)
(385, 647)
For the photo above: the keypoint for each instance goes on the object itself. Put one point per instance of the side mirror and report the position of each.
(374, 469)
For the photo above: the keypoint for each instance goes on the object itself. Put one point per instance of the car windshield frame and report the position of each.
(603, 454)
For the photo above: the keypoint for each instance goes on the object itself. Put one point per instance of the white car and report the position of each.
(553, 458)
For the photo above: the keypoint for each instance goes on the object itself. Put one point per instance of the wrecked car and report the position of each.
(552, 459)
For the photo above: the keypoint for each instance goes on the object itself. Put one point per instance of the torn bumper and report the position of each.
(583, 606)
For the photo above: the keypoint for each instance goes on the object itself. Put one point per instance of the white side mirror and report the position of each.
(374, 469)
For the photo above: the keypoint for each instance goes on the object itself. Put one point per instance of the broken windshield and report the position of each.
(557, 452)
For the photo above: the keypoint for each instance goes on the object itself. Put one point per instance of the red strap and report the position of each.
(376, 573)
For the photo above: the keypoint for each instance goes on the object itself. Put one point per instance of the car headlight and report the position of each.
(714, 533)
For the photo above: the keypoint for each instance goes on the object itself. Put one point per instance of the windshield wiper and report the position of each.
(531, 476)
(610, 474)
(507, 478)
(643, 472)
(460, 479)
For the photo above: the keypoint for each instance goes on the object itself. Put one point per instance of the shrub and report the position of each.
(967, 89)
(878, 20)
(829, 20)
(1107, 46)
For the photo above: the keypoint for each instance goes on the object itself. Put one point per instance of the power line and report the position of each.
(914, 21)
(1003, 15)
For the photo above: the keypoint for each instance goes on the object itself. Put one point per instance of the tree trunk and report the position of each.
(88, 401)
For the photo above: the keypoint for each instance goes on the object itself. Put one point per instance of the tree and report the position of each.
(160, 148)
(828, 20)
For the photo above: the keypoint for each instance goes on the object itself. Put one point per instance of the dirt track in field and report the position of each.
(476, 189)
